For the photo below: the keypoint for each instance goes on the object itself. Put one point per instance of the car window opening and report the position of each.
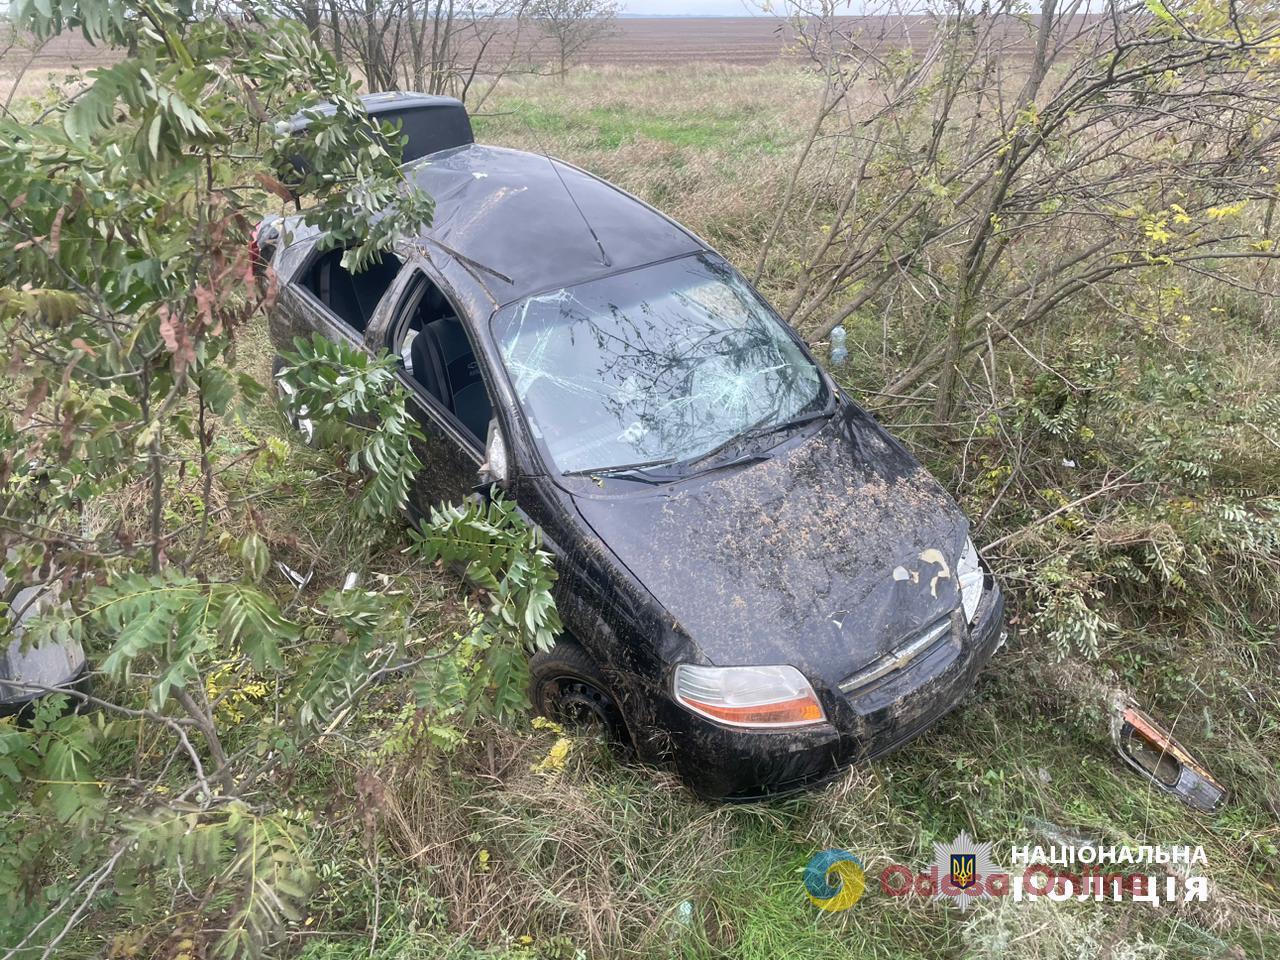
(435, 352)
(351, 297)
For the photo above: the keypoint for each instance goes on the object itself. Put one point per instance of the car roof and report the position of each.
(525, 222)
(400, 99)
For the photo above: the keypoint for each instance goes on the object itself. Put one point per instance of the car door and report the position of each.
(451, 451)
(324, 297)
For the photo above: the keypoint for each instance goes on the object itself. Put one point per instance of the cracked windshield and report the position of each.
(654, 366)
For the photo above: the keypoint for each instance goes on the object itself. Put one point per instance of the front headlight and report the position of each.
(971, 577)
(748, 696)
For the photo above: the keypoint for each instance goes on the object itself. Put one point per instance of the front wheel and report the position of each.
(566, 686)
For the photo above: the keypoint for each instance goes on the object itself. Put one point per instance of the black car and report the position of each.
(758, 583)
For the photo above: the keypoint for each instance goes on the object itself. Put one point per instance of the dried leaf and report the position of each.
(275, 186)
(79, 344)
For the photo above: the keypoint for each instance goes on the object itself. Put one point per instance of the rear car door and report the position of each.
(324, 297)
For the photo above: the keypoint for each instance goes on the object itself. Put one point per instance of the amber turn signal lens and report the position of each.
(804, 710)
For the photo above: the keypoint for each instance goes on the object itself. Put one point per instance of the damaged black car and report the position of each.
(759, 585)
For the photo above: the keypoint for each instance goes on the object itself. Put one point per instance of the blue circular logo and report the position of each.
(834, 880)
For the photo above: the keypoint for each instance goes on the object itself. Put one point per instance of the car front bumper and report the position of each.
(727, 763)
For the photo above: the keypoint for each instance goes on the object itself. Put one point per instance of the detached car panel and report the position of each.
(758, 583)
(29, 671)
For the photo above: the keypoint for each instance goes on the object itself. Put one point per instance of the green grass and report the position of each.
(709, 144)
(609, 128)
(608, 860)
(603, 855)
(475, 854)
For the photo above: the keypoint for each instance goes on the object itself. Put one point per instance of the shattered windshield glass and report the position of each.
(653, 366)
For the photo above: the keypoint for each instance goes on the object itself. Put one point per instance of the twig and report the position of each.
(1021, 346)
(1263, 434)
(1106, 488)
(170, 722)
(97, 877)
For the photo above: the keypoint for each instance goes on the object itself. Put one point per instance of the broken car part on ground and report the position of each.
(758, 583)
(31, 669)
(1152, 751)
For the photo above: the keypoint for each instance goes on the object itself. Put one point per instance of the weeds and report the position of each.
(1123, 465)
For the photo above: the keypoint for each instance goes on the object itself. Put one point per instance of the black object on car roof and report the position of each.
(429, 123)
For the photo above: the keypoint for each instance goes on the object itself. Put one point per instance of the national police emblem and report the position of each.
(963, 868)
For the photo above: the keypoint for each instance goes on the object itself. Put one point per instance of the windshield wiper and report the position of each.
(759, 430)
(620, 468)
(797, 421)
(644, 471)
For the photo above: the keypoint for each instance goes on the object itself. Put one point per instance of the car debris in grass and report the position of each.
(32, 670)
(1151, 750)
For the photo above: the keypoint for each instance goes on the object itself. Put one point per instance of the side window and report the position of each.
(351, 297)
(436, 354)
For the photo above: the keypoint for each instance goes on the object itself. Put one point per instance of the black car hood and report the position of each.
(827, 554)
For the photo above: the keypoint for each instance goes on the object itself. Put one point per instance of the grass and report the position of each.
(475, 853)
(611, 128)
(617, 861)
(708, 144)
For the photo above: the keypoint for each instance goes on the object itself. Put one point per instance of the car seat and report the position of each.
(335, 290)
(459, 373)
(370, 284)
(427, 370)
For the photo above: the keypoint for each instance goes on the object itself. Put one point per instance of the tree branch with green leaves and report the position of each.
(125, 289)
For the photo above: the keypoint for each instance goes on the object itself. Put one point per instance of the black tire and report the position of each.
(566, 686)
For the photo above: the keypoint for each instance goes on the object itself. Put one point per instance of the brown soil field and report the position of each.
(753, 40)
(743, 40)
(633, 41)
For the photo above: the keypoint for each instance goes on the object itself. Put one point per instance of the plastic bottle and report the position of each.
(839, 350)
